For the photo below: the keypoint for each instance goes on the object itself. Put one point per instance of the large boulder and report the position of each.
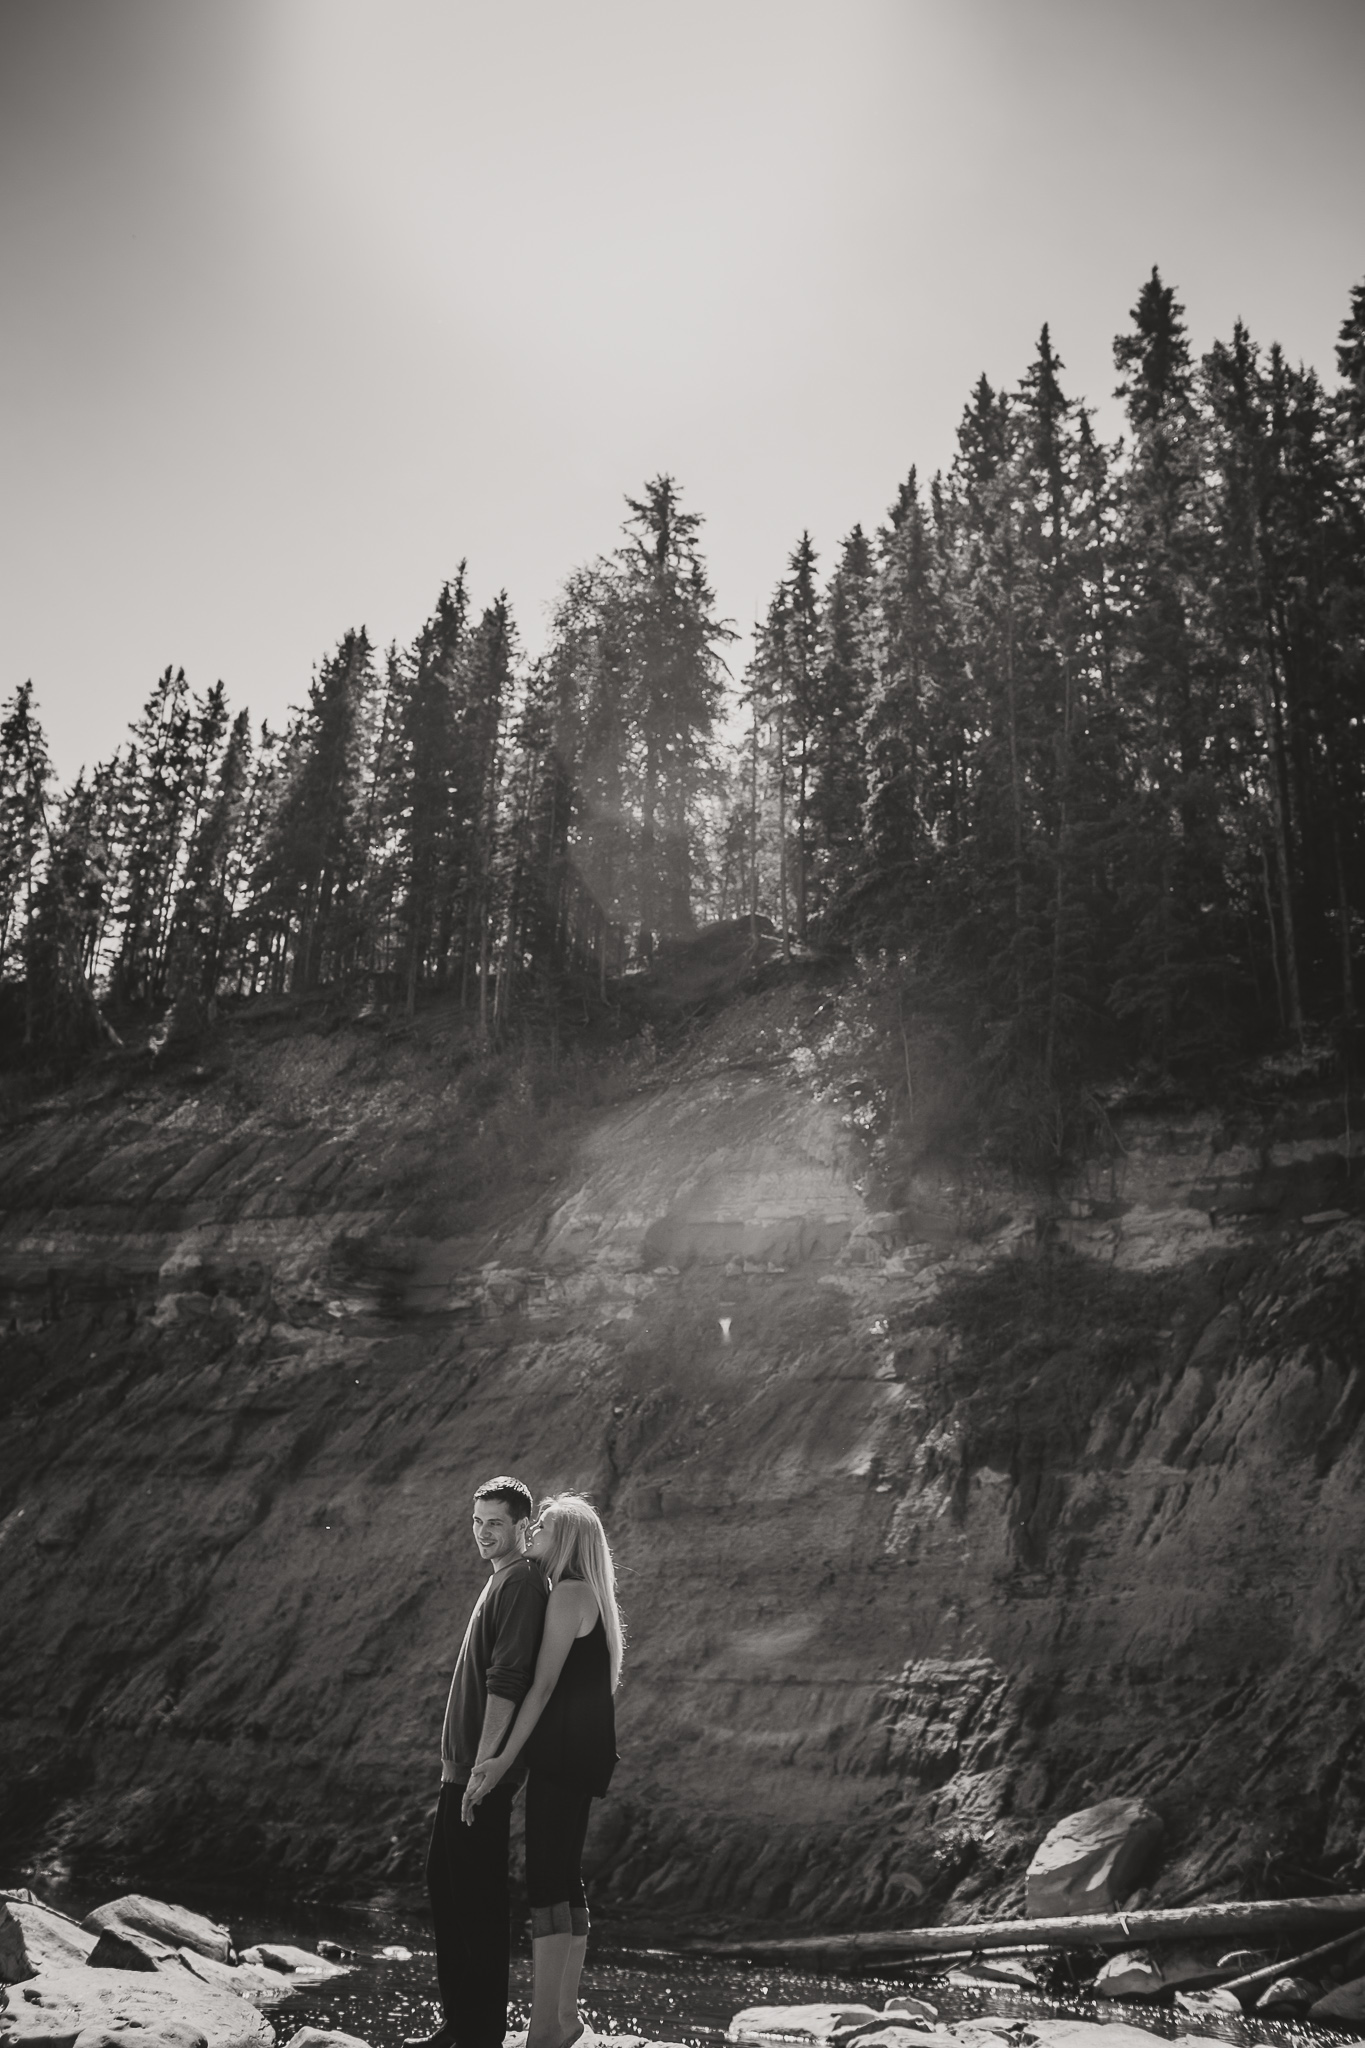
(1091, 1860)
(60, 2004)
(1346, 2003)
(35, 1937)
(176, 1926)
(127, 1949)
(170, 2034)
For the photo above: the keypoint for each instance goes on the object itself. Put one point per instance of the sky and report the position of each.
(304, 301)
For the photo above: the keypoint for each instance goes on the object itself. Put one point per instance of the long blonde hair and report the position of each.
(578, 1549)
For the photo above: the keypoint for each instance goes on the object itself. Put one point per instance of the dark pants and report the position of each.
(556, 1829)
(467, 1885)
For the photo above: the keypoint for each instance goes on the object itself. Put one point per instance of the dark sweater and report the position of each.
(498, 1656)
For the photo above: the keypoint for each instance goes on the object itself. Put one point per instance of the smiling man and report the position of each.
(467, 1865)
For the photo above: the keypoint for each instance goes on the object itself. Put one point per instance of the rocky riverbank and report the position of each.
(943, 1507)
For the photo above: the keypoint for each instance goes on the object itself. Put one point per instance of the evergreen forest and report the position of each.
(1075, 738)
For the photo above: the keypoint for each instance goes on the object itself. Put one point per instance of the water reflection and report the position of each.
(664, 1998)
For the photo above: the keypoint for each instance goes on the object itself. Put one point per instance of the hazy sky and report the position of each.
(303, 300)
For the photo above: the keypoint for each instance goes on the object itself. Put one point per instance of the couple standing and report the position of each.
(531, 1699)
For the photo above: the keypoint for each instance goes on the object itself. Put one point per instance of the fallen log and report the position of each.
(1239, 1917)
(1268, 1972)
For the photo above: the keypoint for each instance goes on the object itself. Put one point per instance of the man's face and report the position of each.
(496, 1533)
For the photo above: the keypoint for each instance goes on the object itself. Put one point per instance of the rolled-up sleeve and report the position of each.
(519, 1619)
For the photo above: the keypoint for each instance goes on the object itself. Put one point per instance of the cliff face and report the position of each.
(933, 1523)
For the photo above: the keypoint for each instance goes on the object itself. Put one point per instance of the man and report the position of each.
(467, 1865)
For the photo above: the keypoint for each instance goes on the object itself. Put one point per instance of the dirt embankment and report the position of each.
(935, 1519)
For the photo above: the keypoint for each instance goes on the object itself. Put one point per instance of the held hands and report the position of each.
(482, 1780)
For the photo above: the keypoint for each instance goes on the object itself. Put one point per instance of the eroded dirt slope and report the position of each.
(978, 1507)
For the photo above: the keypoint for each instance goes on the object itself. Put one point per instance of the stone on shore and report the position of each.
(1346, 2002)
(62, 2003)
(1208, 2001)
(112, 2034)
(1092, 1860)
(912, 2008)
(1287, 1994)
(1133, 1973)
(895, 2034)
(322, 2037)
(34, 1937)
(800, 2022)
(1088, 2034)
(244, 1980)
(294, 1962)
(127, 1949)
(176, 1926)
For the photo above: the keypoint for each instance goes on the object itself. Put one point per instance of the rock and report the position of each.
(297, 1962)
(895, 2034)
(1346, 2002)
(243, 1980)
(320, 2037)
(170, 2034)
(62, 2003)
(1131, 1974)
(1137, 1973)
(126, 1949)
(176, 1926)
(1208, 2001)
(336, 1953)
(915, 2008)
(1088, 2034)
(800, 2022)
(1092, 1859)
(989, 1970)
(35, 1937)
(1287, 1994)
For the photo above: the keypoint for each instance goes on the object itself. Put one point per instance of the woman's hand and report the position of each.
(482, 1779)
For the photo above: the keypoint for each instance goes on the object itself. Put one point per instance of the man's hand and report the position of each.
(482, 1779)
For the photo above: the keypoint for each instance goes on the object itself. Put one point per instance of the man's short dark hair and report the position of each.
(515, 1497)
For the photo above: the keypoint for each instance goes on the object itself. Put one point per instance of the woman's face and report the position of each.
(539, 1537)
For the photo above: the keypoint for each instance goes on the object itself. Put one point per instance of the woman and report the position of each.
(566, 1726)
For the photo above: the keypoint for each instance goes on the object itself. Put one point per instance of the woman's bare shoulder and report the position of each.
(575, 1597)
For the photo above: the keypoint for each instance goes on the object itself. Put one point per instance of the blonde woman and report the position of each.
(566, 1725)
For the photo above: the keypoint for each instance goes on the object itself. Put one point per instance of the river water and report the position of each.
(630, 1988)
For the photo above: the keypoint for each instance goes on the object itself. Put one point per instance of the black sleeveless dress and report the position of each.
(574, 1741)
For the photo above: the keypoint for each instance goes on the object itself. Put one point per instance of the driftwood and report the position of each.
(1267, 1917)
(1270, 1971)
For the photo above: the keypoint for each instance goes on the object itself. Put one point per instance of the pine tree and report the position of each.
(25, 772)
(311, 871)
(61, 1018)
(490, 672)
(838, 774)
(432, 805)
(1167, 835)
(202, 929)
(676, 682)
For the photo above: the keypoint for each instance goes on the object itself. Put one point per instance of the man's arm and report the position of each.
(497, 1719)
(518, 1620)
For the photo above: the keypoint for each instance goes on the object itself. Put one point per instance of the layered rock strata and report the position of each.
(934, 1521)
